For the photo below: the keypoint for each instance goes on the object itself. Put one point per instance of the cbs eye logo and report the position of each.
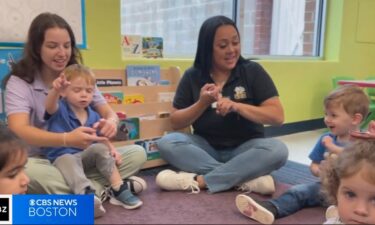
(4, 209)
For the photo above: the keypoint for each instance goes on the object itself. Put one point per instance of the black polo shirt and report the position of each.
(249, 83)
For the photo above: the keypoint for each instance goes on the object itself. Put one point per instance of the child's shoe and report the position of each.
(255, 210)
(263, 185)
(98, 208)
(124, 197)
(136, 184)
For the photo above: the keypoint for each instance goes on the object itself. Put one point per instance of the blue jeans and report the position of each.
(225, 168)
(298, 197)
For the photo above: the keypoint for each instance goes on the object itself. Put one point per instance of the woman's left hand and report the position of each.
(107, 128)
(225, 106)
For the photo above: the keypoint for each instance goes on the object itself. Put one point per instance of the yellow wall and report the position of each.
(302, 84)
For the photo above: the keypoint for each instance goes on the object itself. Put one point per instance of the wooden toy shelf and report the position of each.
(149, 112)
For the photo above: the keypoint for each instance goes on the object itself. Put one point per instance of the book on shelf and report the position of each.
(134, 98)
(150, 147)
(128, 129)
(152, 47)
(113, 97)
(131, 46)
(142, 75)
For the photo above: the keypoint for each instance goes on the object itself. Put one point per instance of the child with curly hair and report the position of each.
(349, 184)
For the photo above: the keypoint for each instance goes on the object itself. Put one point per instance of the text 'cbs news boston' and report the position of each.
(47, 209)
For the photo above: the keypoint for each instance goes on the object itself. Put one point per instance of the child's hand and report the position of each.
(114, 153)
(117, 157)
(327, 141)
(315, 168)
(60, 83)
(107, 128)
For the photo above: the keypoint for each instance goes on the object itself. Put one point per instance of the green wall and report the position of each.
(302, 83)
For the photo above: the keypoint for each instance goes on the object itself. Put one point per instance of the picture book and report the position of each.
(151, 148)
(128, 129)
(108, 82)
(113, 97)
(134, 98)
(7, 58)
(152, 47)
(131, 46)
(142, 75)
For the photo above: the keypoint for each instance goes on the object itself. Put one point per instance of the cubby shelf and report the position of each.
(151, 125)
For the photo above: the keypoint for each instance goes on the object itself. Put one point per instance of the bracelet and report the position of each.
(64, 139)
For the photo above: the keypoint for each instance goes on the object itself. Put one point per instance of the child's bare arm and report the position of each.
(52, 101)
(330, 146)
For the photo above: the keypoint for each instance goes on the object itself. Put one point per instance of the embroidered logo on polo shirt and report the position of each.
(239, 93)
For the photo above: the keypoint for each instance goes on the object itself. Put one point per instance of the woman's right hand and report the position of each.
(209, 93)
(83, 137)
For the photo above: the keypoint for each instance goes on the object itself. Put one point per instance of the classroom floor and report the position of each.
(301, 144)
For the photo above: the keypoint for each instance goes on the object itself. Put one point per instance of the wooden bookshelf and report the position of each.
(151, 125)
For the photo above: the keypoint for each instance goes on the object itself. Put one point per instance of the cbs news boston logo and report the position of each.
(46, 209)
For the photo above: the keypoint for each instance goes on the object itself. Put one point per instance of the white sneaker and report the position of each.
(136, 184)
(250, 208)
(263, 185)
(171, 181)
(98, 208)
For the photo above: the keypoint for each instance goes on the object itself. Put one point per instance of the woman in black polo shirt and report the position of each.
(226, 99)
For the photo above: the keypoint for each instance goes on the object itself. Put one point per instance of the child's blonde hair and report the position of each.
(352, 98)
(79, 71)
(355, 157)
(11, 147)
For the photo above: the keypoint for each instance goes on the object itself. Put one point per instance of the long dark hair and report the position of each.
(204, 55)
(31, 61)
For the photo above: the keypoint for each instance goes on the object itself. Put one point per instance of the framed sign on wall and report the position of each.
(16, 16)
